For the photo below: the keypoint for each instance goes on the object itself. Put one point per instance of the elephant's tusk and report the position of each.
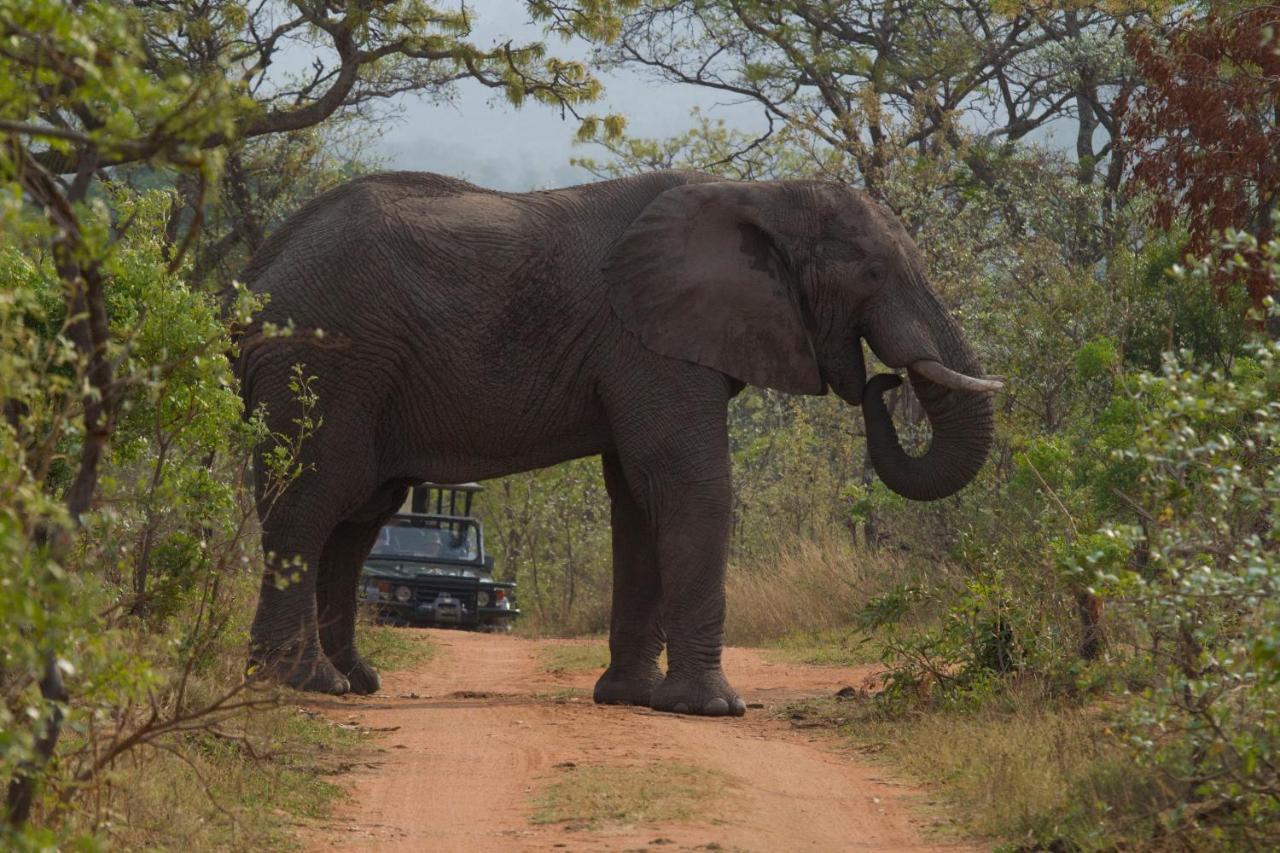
(939, 374)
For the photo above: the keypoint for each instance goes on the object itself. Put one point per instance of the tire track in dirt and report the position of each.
(471, 736)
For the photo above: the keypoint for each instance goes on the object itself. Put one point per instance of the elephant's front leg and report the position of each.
(692, 535)
(672, 441)
(635, 630)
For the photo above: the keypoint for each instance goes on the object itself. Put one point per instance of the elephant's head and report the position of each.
(777, 283)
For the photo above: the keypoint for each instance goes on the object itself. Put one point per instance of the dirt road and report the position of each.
(470, 739)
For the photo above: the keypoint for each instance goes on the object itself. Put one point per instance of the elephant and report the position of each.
(455, 333)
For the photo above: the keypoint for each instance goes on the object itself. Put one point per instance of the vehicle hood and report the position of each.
(408, 568)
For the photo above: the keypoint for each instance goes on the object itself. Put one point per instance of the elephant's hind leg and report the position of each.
(337, 475)
(340, 563)
(285, 640)
(635, 631)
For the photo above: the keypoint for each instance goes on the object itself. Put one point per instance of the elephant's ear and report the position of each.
(698, 276)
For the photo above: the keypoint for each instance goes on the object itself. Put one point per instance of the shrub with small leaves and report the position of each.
(1207, 598)
(1201, 586)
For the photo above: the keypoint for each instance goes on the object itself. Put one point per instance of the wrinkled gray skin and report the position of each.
(471, 334)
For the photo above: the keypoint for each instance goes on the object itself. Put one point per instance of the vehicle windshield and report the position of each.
(429, 538)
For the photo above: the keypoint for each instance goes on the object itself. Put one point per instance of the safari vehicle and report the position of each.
(428, 566)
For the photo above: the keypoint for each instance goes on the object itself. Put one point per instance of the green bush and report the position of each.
(1159, 519)
(1205, 596)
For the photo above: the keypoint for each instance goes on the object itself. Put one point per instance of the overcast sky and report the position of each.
(481, 138)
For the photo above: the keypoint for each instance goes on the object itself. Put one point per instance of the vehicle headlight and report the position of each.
(482, 599)
(403, 593)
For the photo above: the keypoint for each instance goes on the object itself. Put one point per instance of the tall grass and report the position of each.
(811, 585)
(808, 585)
(1028, 769)
(248, 787)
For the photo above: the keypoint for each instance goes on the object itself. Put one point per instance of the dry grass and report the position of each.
(593, 796)
(808, 586)
(589, 614)
(246, 781)
(1013, 774)
(567, 657)
(802, 601)
(575, 656)
(385, 647)
(828, 647)
(811, 584)
(1022, 770)
(208, 793)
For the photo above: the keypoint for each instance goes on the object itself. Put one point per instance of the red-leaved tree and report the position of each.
(1203, 131)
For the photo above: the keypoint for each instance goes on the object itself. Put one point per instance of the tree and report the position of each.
(1202, 134)
(234, 57)
(171, 83)
(361, 54)
(169, 90)
(873, 82)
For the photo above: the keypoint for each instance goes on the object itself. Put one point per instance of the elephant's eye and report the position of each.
(838, 252)
(875, 271)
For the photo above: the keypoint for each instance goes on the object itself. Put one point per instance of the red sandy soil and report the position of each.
(470, 737)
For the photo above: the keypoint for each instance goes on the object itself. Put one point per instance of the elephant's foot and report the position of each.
(312, 673)
(706, 693)
(364, 678)
(628, 687)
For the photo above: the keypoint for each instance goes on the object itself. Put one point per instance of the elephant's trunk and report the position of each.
(960, 411)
